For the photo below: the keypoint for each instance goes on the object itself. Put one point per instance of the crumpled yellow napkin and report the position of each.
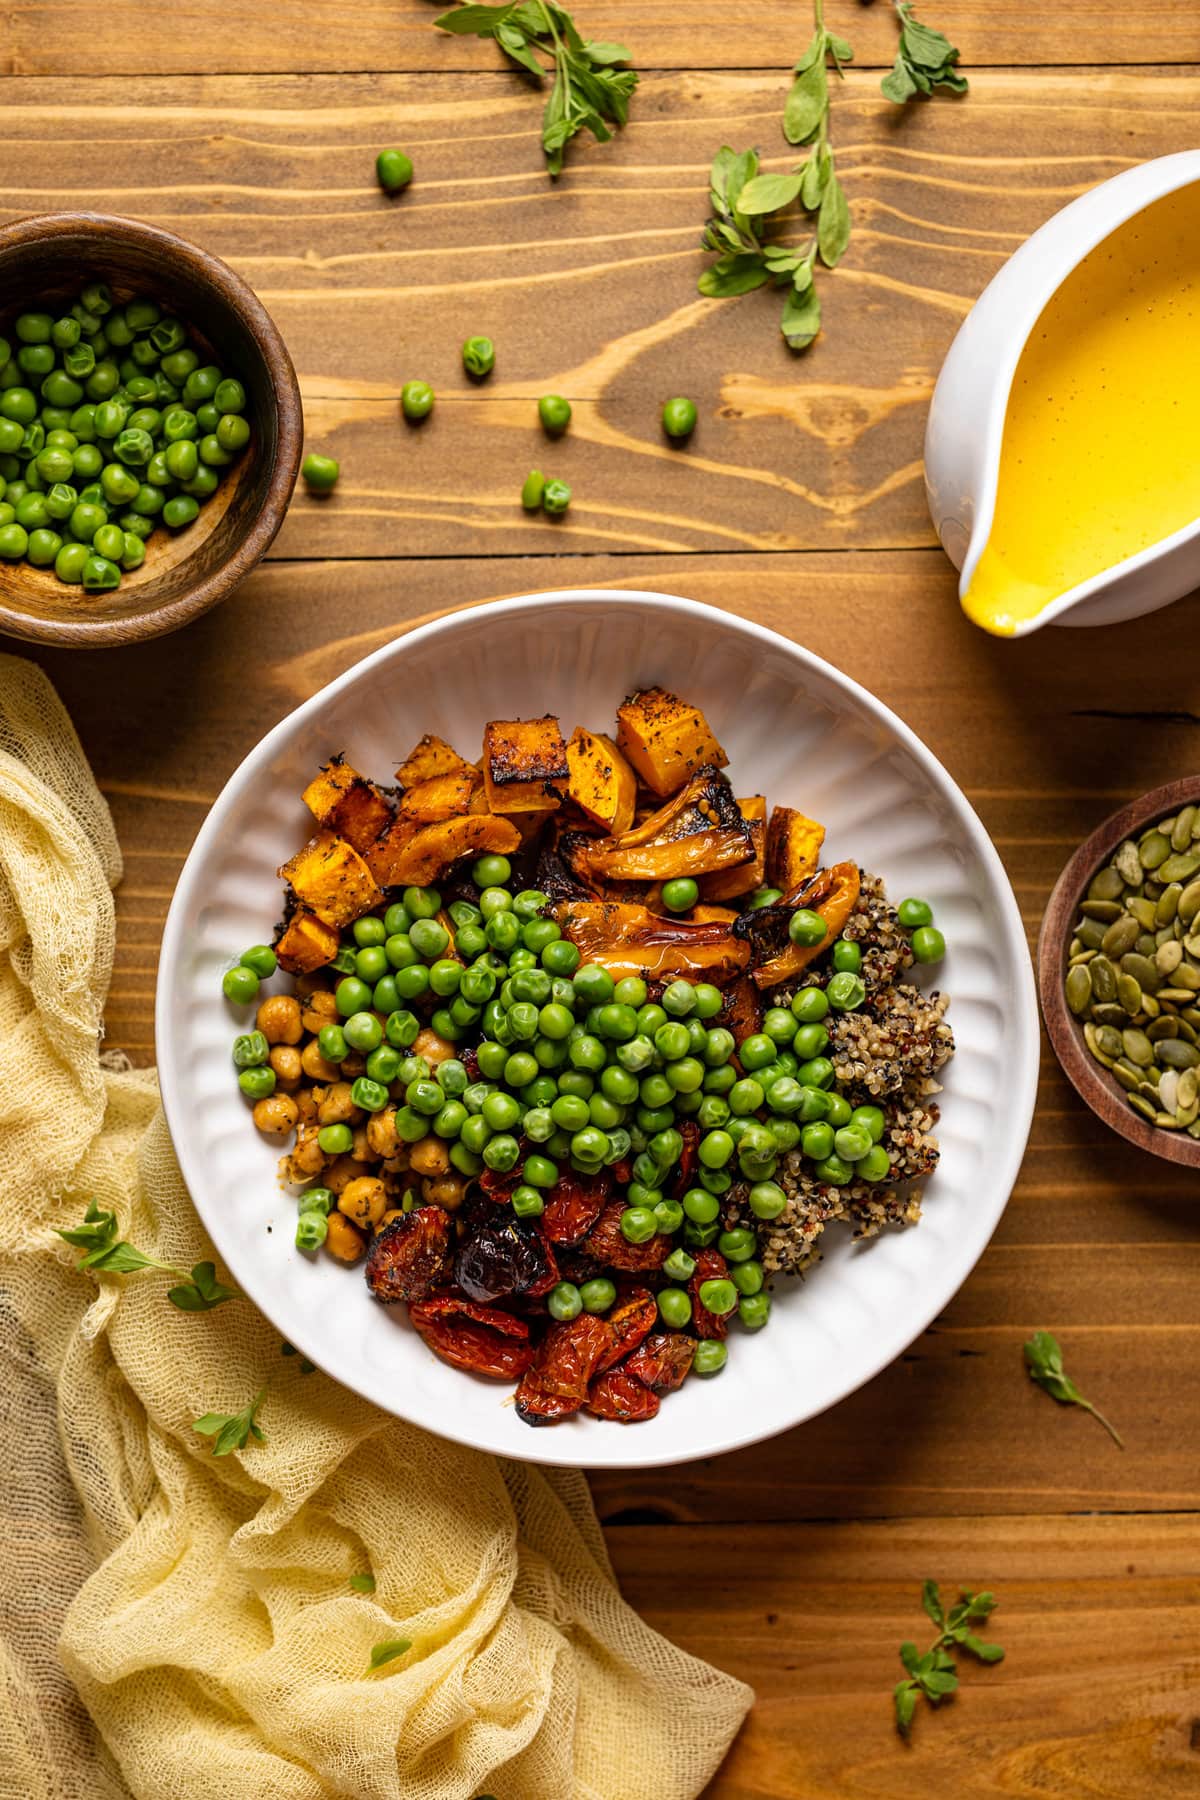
(202, 1607)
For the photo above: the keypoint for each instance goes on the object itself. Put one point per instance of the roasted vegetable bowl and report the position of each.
(577, 1103)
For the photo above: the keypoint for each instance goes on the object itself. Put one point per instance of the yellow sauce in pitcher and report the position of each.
(1099, 455)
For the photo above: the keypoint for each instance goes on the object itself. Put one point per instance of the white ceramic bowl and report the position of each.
(795, 730)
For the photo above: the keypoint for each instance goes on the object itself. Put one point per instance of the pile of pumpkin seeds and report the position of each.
(1133, 974)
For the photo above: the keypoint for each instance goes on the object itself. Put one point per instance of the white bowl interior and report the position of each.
(795, 730)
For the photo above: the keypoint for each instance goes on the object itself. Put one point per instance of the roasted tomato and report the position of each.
(481, 1339)
(573, 1205)
(563, 1367)
(662, 1360)
(710, 1264)
(620, 1395)
(504, 1257)
(410, 1256)
(496, 1186)
(608, 1244)
(628, 1322)
(689, 1131)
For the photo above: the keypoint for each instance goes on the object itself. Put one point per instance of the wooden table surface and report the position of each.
(251, 126)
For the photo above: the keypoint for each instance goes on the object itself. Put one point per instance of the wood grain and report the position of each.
(86, 37)
(589, 289)
(1098, 1695)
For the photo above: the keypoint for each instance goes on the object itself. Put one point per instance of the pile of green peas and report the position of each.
(110, 423)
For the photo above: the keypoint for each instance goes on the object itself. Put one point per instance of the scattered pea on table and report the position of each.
(416, 401)
(320, 472)
(555, 414)
(479, 356)
(393, 171)
(679, 418)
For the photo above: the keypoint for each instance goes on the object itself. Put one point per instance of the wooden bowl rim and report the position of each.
(1090, 1079)
(240, 298)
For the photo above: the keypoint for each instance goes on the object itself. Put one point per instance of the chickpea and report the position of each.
(278, 1019)
(341, 1173)
(435, 1049)
(320, 1010)
(393, 1213)
(344, 1241)
(285, 1060)
(310, 980)
(430, 1157)
(353, 1065)
(445, 1191)
(337, 1108)
(381, 1132)
(308, 1158)
(315, 1065)
(276, 1116)
(306, 1105)
(361, 1149)
(363, 1201)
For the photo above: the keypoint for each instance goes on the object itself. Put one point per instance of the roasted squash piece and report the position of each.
(665, 739)
(602, 784)
(347, 804)
(432, 756)
(525, 765)
(793, 848)
(830, 892)
(742, 1009)
(699, 831)
(330, 878)
(421, 857)
(731, 884)
(306, 943)
(630, 940)
(441, 797)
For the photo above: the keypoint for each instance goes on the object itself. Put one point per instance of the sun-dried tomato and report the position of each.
(607, 1243)
(496, 1186)
(504, 1256)
(710, 1266)
(662, 1360)
(689, 1131)
(565, 1362)
(410, 1256)
(620, 1395)
(481, 1339)
(628, 1322)
(573, 1205)
(470, 1063)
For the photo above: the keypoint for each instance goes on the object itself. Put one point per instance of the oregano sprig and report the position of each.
(588, 91)
(232, 1431)
(935, 1674)
(925, 59)
(103, 1248)
(1043, 1359)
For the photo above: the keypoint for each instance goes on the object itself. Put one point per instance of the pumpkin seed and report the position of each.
(1162, 1028)
(1188, 1032)
(1167, 826)
(1121, 936)
(1106, 884)
(1187, 1090)
(1186, 976)
(1090, 933)
(1092, 1039)
(1177, 1053)
(1110, 1041)
(1168, 1091)
(1150, 1006)
(1147, 944)
(1191, 944)
(1110, 1014)
(1168, 904)
(1106, 910)
(1081, 958)
(1104, 978)
(1181, 836)
(1138, 1047)
(1128, 1077)
(1166, 1121)
(1186, 1115)
(1128, 864)
(1143, 910)
(1179, 868)
(1147, 1110)
(1129, 995)
(1168, 956)
(1143, 969)
(1154, 850)
(1194, 1129)
(1189, 902)
(1177, 996)
(1079, 989)
(1192, 1015)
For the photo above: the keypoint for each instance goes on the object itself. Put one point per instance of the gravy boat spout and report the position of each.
(970, 402)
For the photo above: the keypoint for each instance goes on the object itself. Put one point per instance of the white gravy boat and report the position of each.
(966, 417)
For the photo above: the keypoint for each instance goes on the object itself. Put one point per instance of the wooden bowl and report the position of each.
(52, 257)
(1091, 1079)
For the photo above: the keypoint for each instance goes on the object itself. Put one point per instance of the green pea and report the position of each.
(846, 957)
(767, 1200)
(670, 1215)
(556, 498)
(31, 512)
(371, 963)
(680, 895)
(335, 1140)
(596, 1295)
(133, 551)
(816, 1140)
(845, 992)
(100, 575)
(810, 1041)
(362, 1029)
(312, 1228)
(538, 933)
(754, 1311)
(180, 511)
(745, 1097)
(393, 171)
(232, 433)
(317, 1200)
(810, 1005)
(638, 1223)
(675, 1307)
(250, 1049)
(204, 482)
(42, 548)
(838, 1110)
(34, 327)
(554, 413)
(331, 1041)
(449, 1121)
(756, 1052)
(479, 356)
(835, 1171)
(229, 396)
(564, 1301)
(70, 561)
(257, 1084)
(876, 1165)
(807, 928)
(719, 1296)
(912, 913)
(818, 1073)
(701, 1207)
(560, 957)
(719, 1047)
(383, 1064)
(593, 984)
(527, 1203)
(539, 1172)
(416, 400)
(872, 1120)
(109, 541)
(738, 1245)
(928, 944)
(747, 1277)
(679, 417)
(210, 449)
(532, 490)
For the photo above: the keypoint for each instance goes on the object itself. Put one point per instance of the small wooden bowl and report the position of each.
(52, 257)
(1091, 1079)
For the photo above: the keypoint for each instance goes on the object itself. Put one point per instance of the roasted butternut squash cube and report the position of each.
(428, 850)
(432, 756)
(347, 804)
(793, 848)
(602, 784)
(306, 943)
(731, 884)
(441, 797)
(330, 878)
(665, 739)
(525, 765)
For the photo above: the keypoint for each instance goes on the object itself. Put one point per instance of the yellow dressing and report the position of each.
(1099, 454)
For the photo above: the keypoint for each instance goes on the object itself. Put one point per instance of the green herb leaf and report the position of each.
(1043, 1359)
(801, 318)
(899, 85)
(232, 1431)
(387, 1652)
(927, 48)
(768, 193)
(734, 275)
(931, 1600)
(935, 1674)
(904, 1695)
(363, 1584)
(988, 1653)
(839, 49)
(606, 53)
(98, 1230)
(924, 60)
(814, 51)
(909, 1656)
(480, 21)
(120, 1259)
(812, 183)
(202, 1292)
(806, 104)
(833, 223)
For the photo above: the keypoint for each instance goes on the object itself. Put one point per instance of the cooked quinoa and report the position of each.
(888, 1053)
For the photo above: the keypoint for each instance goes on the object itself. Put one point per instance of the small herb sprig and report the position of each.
(742, 198)
(387, 1652)
(925, 59)
(588, 93)
(103, 1248)
(1043, 1359)
(935, 1674)
(232, 1431)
